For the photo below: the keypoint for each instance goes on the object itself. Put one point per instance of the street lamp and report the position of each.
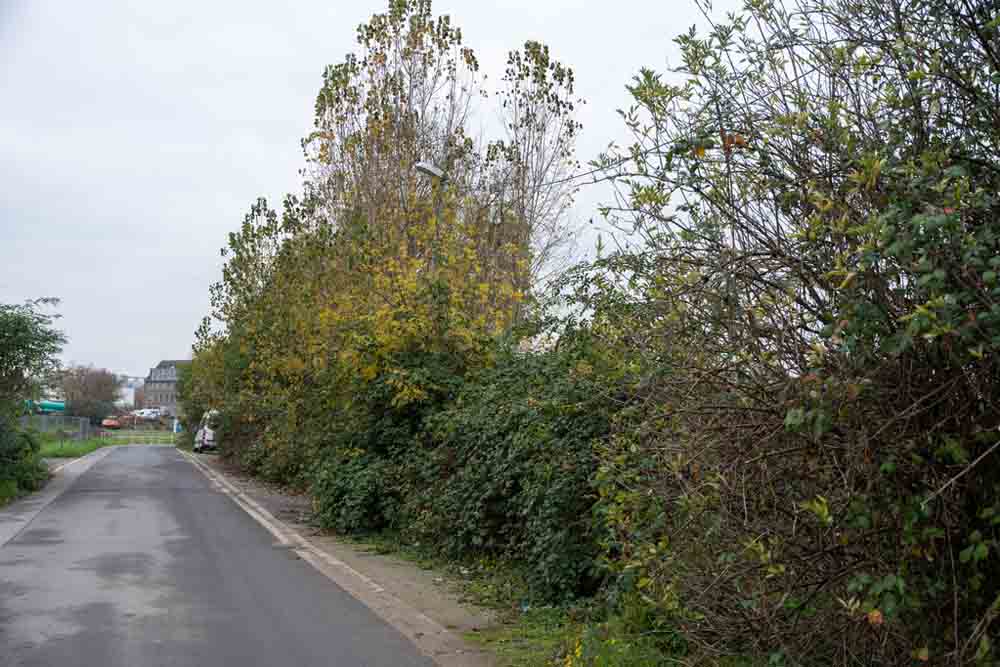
(433, 171)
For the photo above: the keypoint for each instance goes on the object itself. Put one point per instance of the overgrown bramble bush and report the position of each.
(506, 468)
(501, 466)
(360, 479)
(806, 471)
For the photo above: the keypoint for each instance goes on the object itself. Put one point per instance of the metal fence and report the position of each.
(71, 428)
(140, 437)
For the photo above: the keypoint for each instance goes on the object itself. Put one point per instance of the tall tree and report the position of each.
(90, 392)
(411, 96)
(29, 343)
(535, 177)
(87, 383)
(381, 282)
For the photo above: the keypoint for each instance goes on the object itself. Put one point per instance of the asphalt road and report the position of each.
(139, 561)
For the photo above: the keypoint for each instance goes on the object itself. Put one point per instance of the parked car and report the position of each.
(204, 437)
(111, 421)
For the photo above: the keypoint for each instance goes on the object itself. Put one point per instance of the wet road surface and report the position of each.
(138, 561)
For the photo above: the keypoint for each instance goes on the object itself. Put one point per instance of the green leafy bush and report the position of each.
(356, 495)
(805, 469)
(21, 469)
(366, 447)
(28, 347)
(499, 466)
(506, 468)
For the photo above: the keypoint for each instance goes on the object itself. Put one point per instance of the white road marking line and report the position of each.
(43, 498)
(76, 460)
(80, 458)
(433, 639)
(55, 470)
(285, 535)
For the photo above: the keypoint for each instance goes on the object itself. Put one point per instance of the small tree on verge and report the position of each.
(29, 344)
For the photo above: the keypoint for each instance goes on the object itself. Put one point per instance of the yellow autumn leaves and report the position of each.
(350, 304)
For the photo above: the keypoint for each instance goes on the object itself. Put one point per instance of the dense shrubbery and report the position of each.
(28, 347)
(509, 469)
(21, 470)
(804, 470)
(499, 464)
(503, 469)
(768, 434)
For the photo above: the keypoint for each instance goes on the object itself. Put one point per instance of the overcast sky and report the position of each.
(135, 135)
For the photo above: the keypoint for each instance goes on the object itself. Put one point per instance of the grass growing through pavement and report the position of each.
(526, 635)
(581, 633)
(531, 638)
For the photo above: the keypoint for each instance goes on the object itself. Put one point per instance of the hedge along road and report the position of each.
(131, 557)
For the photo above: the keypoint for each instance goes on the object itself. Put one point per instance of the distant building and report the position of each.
(160, 387)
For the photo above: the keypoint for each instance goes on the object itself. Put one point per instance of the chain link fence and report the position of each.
(69, 428)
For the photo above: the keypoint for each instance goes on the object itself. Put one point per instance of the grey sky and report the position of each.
(134, 136)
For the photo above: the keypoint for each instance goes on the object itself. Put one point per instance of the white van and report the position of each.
(204, 437)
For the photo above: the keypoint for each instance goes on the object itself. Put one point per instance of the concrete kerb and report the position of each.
(430, 637)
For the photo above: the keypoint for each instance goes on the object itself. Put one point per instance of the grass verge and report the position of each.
(71, 448)
(52, 449)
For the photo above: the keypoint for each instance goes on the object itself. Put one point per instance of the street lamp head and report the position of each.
(432, 170)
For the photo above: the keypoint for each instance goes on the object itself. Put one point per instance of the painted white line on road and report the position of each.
(285, 535)
(17, 516)
(80, 458)
(433, 639)
(68, 463)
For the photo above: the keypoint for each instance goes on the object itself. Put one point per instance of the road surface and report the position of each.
(140, 561)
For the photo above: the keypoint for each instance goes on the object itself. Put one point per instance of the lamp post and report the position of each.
(432, 171)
